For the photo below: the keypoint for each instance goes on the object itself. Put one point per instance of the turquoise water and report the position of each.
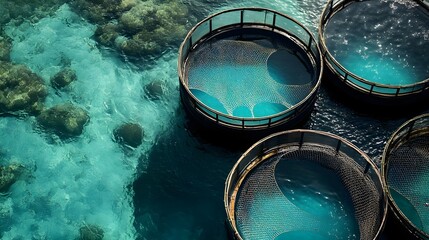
(213, 102)
(381, 41)
(171, 186)
(407, 208)
(303, 200)
(378, 69)
(78, 181)
(261, 109)
(318, 191)
(301, 235)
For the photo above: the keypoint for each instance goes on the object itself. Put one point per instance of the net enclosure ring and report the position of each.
(249, 69)
(375, 51)
(405, 172)
(304, 184)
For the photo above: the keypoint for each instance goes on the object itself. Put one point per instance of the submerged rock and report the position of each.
(136, 27)
(106, 34)
(154, 90)
(102, 11)
(9, 175)
(5, 48)
(63, 78)
(130, 134)
(20, 89)
(91, 232)
(65, 120)
(153, 26)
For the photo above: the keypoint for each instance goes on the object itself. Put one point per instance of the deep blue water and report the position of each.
(170, 187)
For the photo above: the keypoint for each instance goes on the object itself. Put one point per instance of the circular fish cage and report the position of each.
(304, 184)
(249, 69)
(374, 51)
(405, 172)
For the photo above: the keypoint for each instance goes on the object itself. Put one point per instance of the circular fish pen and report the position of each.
(374, 51)
(249, 69)
(304, 184)
(405, 171)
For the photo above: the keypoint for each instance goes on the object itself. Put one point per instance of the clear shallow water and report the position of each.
(84, 180)
(171, 187)
(381, 41)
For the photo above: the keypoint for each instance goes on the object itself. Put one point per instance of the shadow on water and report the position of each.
(180, 193)
(364, 105)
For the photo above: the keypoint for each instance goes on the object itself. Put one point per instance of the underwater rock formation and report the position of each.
(9, 175)
(25, 9)
(130, 134)
(63, 78)
(102, 11)
(20, 89)
(107, 34)
(154, 90)
(5, 48)
(136, 27)
(91, 232)
(64, 120)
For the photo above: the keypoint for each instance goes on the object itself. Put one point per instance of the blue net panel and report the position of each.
(249, 76)
(408, 180)
(308, 192)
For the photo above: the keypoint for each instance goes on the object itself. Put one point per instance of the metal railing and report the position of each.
(354, 80)
(274, 143)
(250, 17)
(417, 125)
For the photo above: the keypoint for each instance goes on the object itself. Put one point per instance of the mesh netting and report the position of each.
(408, 180)
(267, 207)
(248, 76)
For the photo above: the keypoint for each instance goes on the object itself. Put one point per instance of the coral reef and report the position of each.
(63, 78)
(136, 27)
(8, 176)
(20, 89)
(64, 120)
(91, 232)
(24, 9)
(130, 134)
